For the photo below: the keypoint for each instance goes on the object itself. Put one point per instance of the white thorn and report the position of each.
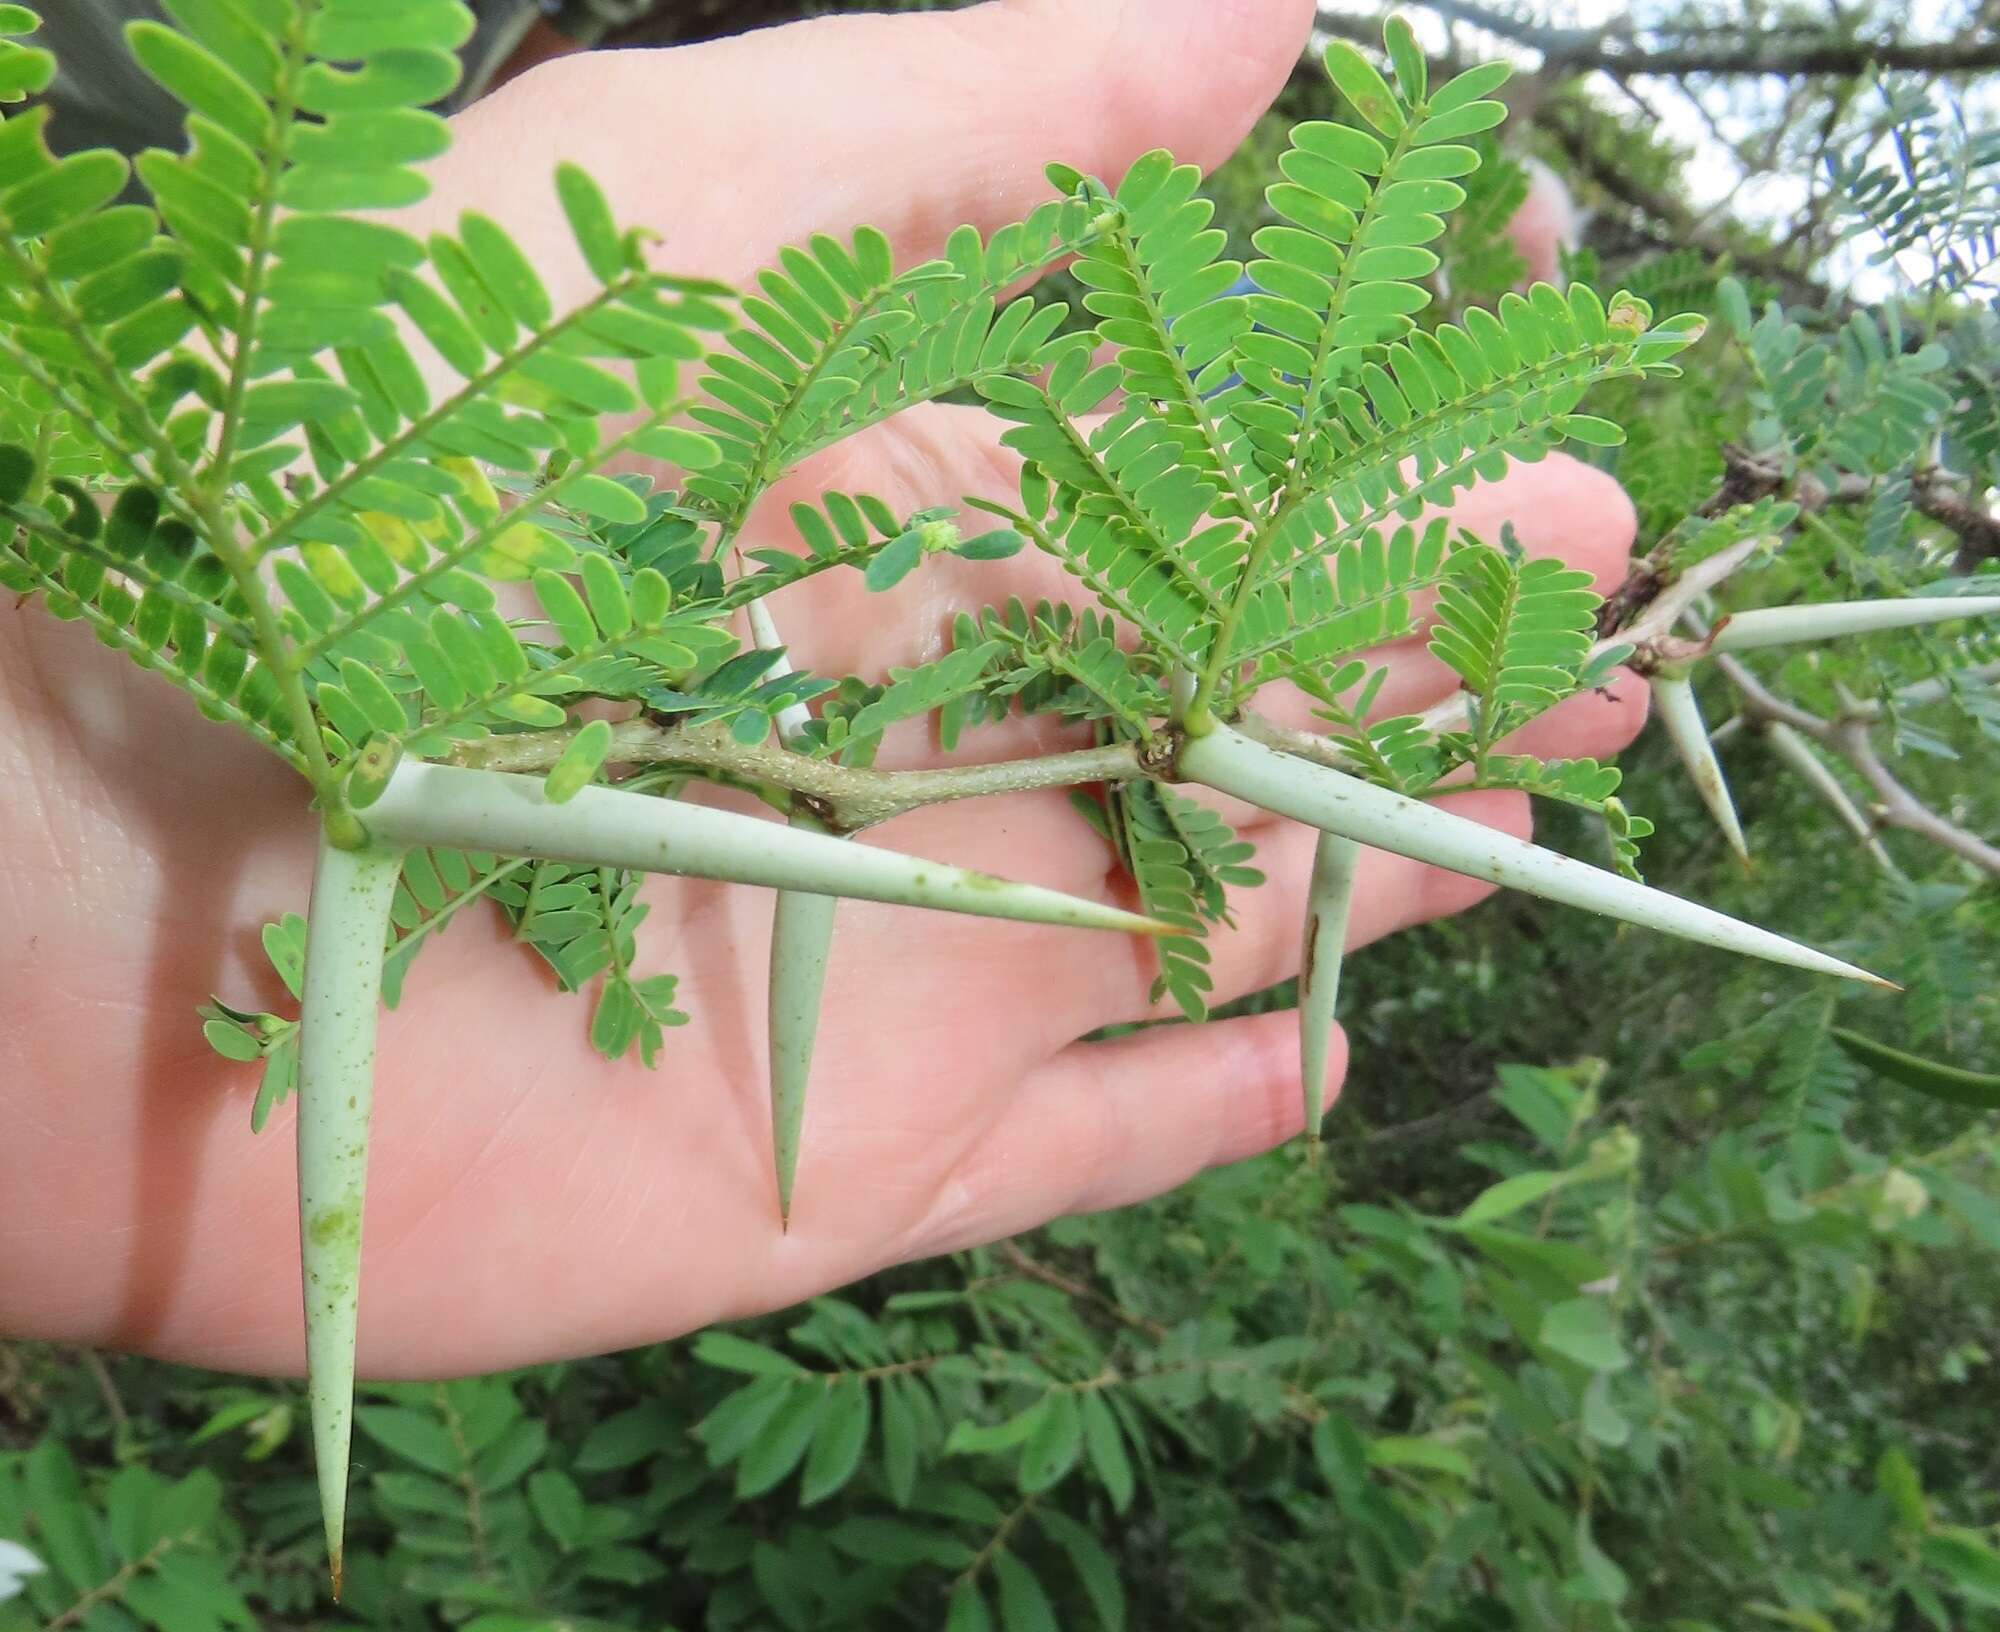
(1681, 715)
(508, 815)
(1233, 764)
(1790, 625)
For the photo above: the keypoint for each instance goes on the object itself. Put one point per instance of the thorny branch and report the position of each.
(847, 798)
(1847, 736)
(1748, 477)
(1643, 611)
(1640, 614)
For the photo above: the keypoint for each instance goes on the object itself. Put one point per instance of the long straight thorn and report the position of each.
(801, 938)
(506, 814)
(1789, 625)
(340, 996)
(1328, 898)
(1680, 713)
(1231, 763)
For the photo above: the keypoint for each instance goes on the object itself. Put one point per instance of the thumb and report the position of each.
(1545, 225)
(913, 123)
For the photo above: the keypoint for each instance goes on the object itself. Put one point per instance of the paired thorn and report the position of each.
(506, 814)
(1791, 625)
(340, 995)
(1328, 899)
(801, 936)
(1674, 700)
(1231, 763)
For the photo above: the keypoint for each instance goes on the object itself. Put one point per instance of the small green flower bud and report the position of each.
(1899, 1197)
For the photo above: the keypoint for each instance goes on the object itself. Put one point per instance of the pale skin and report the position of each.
(527, 1200)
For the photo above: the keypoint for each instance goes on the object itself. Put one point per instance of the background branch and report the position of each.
(1848, 737)
(1615, 51)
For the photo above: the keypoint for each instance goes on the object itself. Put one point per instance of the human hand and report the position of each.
(527, 1200)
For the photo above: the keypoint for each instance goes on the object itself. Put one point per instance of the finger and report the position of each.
(1560, 508)
(914, 123)
(1108, 1124)
(1545, 225)
(1594, 724)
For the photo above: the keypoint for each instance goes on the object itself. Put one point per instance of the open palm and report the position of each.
(527, 1200)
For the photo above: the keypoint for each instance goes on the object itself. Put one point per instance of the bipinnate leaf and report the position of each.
(1516, 632)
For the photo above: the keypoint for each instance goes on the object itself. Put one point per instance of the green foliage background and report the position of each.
(1713, 1346)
